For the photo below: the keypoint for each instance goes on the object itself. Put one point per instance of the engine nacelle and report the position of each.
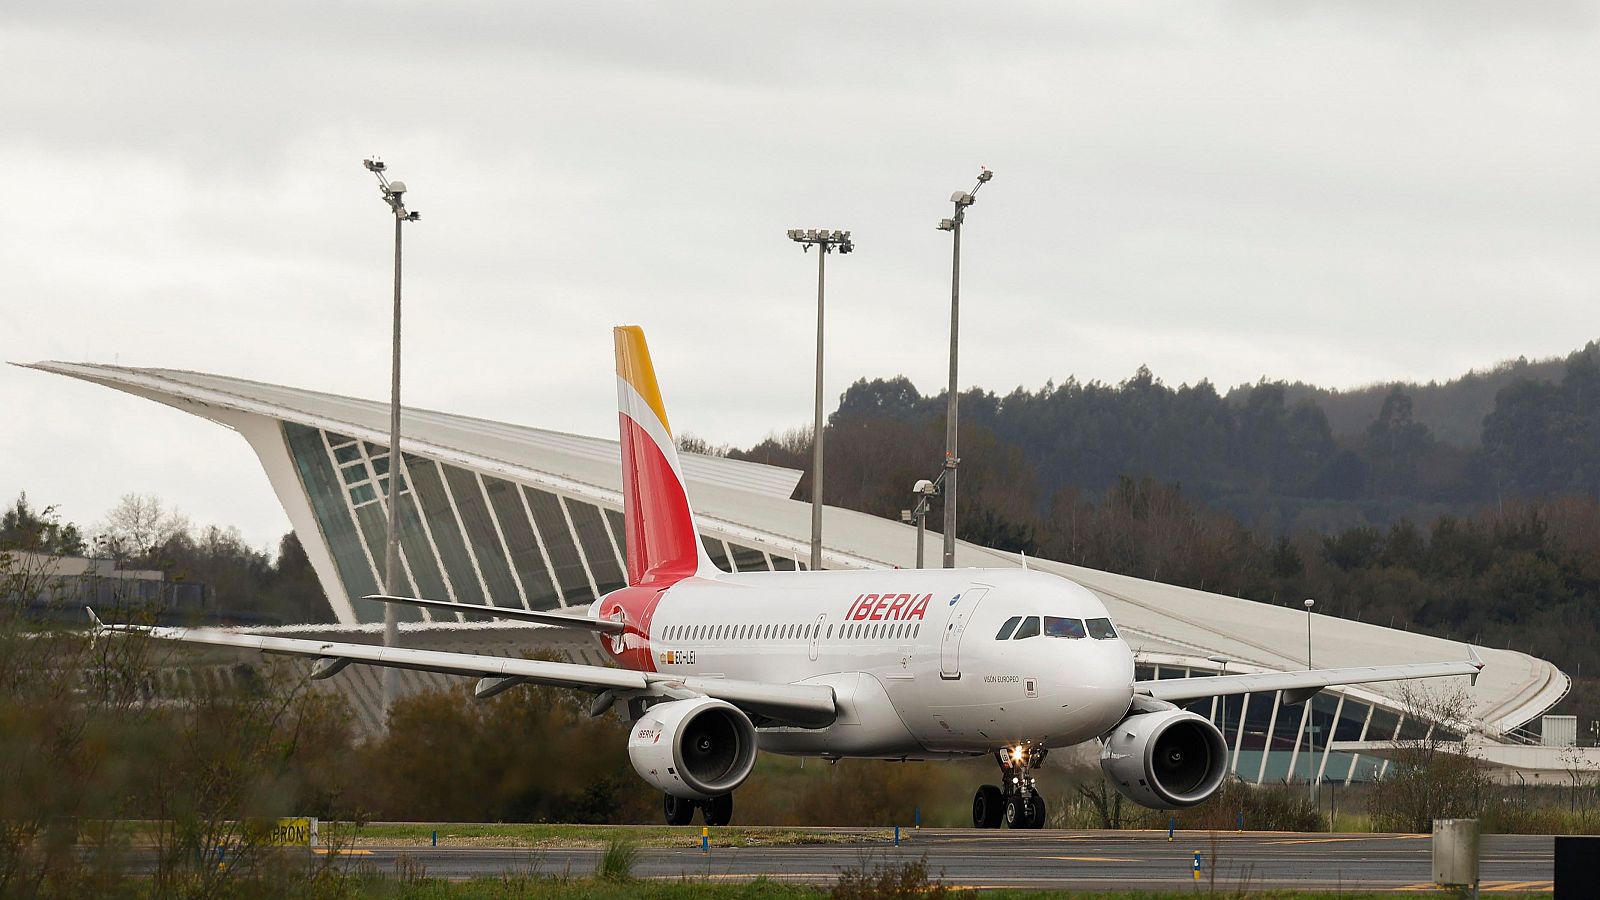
(694, 749)
(1167, 759)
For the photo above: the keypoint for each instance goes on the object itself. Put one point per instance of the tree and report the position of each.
(1431, 777)
(38, 531)
(1397, 446)
(136, 526)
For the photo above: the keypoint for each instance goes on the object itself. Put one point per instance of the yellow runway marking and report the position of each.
(1489, 886)
(327, 850)
(1340, 840)
(739, 876)
(1093, 858)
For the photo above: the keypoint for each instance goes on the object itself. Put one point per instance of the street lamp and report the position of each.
(393, 195)
(1311, 719)
(962, 200)
(1309, 603)
(924, 490)
(825, 241)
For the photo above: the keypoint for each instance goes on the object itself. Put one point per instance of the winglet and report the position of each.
(1477, 662)
(94, 619)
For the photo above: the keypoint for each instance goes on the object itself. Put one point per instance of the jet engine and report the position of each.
(1165, 759)
(695, 749)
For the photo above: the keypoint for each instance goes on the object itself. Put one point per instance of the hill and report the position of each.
(1453, 410)
(1267, 454)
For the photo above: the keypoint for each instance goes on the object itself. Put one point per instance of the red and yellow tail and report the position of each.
(663, 546)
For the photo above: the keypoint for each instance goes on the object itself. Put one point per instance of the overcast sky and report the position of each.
(1339, 193)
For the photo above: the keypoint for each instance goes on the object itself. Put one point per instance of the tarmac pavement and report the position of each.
(1080, 860)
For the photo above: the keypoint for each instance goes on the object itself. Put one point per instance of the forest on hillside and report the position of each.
(1268, 454)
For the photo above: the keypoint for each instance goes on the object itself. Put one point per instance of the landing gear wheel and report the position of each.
(1017, 816)
(1039, 814)
(718, 810)
(988, 806)
(679, 811)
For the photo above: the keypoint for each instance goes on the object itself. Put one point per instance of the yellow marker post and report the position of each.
(705, 839)
(1197, 866)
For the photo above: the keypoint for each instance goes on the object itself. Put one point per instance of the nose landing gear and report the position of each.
(1016, 801)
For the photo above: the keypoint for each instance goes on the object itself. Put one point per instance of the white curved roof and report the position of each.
(750, 502)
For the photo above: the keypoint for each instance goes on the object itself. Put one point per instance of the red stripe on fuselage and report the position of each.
(637, 605)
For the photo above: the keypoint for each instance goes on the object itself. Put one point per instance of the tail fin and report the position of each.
(663, 546)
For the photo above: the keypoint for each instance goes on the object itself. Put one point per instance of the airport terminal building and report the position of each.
(515, 516)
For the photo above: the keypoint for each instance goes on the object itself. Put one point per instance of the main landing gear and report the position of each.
(716, 811)
(1016, 801)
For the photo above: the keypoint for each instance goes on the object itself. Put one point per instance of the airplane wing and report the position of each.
(560, 620)
(1300, 685)
(803, 705)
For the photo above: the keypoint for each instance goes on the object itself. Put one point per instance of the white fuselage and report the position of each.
(912, 655)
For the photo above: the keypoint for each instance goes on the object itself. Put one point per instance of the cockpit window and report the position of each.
(1029, 628)
(1067, 628)
(1007, 628)
(1101, 630)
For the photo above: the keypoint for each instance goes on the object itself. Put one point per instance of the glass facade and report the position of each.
(466, 535)
(1270, 740)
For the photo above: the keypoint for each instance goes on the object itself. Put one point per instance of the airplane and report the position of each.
(901, 664)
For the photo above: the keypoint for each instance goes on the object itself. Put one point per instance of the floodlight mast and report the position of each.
(962, 200)
(826, 242)
(394, 197)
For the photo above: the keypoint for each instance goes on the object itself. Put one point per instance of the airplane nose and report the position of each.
(1107, 680)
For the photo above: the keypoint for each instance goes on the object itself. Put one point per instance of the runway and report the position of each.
(1080, 860)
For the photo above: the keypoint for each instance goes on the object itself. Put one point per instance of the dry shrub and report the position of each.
(1266, 807)
(868, 880)
(864, 792)
(1430, 778)
(532, 754)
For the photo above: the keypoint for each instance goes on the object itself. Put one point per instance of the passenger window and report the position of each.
(1067, 628)
(916, 630)
(1029, 628)
(1007, 628)
(1101, 630)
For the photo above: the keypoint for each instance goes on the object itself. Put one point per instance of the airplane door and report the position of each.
(816, 635)
(961, 607)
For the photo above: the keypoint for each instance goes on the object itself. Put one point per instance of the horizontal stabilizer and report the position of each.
(558, 620)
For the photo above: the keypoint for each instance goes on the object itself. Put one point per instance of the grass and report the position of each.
(562, 889)
(581, 837)
(616, 863)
